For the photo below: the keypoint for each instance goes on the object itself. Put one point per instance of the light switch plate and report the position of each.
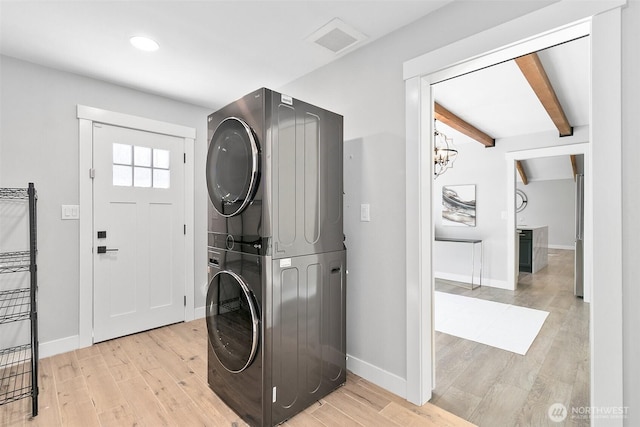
(365, 212)
(70, 212)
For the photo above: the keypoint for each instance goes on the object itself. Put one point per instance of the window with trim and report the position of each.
(138, 166)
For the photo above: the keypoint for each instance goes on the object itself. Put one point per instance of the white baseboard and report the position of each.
(59, 346)
(199, 312)
(379, 377)
(567, 247)
(462, 278)
(493, 283)
(63, 345)
(486, 281)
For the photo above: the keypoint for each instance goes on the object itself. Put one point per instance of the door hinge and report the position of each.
(185, 300)
(92, 173)
(185, 157)
(185, 229)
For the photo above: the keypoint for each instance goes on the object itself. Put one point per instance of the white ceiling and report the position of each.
(211, 52)
(499, 101)
(550, 168)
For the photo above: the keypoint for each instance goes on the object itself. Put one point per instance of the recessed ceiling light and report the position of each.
(144, 43)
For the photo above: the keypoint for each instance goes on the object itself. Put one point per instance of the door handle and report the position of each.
(104, 250)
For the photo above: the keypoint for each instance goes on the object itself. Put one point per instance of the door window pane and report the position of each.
(142, 156)
(161, 178)
(161, 159)
(122, 175)
(121, 154)
(141, 177)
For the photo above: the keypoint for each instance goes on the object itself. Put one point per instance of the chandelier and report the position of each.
(443, 152)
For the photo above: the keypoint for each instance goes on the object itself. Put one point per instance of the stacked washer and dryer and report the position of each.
(277, 264)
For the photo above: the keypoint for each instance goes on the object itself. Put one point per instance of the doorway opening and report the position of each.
(488, 115)
(522, 36)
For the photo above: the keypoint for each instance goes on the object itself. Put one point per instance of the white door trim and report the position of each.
(86, 117)
(519, 35)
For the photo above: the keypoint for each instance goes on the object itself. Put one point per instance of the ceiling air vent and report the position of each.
(336, 36)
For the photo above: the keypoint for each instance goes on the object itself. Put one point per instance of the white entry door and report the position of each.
(139, 242)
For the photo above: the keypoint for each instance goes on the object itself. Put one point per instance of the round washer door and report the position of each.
(233, 321)
(232, 166)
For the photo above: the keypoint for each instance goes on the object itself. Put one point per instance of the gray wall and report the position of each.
(551, 203)
(39, 143)
(631, 207)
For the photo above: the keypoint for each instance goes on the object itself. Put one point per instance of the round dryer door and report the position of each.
(232, 166)
(233, 322)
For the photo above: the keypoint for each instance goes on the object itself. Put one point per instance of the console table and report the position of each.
(473, 243)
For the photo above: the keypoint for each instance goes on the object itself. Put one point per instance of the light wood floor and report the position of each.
(493, 387)
(158, 378)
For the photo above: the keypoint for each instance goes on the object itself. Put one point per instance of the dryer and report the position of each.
(276, 336)
(274, 176)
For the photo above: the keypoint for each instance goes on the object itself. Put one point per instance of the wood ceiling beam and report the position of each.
(455, 122)
(533, 71)
(523, 174)
(574, 166)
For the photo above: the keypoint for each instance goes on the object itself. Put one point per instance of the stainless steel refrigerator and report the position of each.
(578, 286)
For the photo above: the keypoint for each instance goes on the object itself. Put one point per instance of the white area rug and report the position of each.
(509, 327)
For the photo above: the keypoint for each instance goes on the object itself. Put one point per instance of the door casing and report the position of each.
(87, 116)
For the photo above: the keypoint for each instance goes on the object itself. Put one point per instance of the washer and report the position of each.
(276, 331)
(234, 317)
(274, 176)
